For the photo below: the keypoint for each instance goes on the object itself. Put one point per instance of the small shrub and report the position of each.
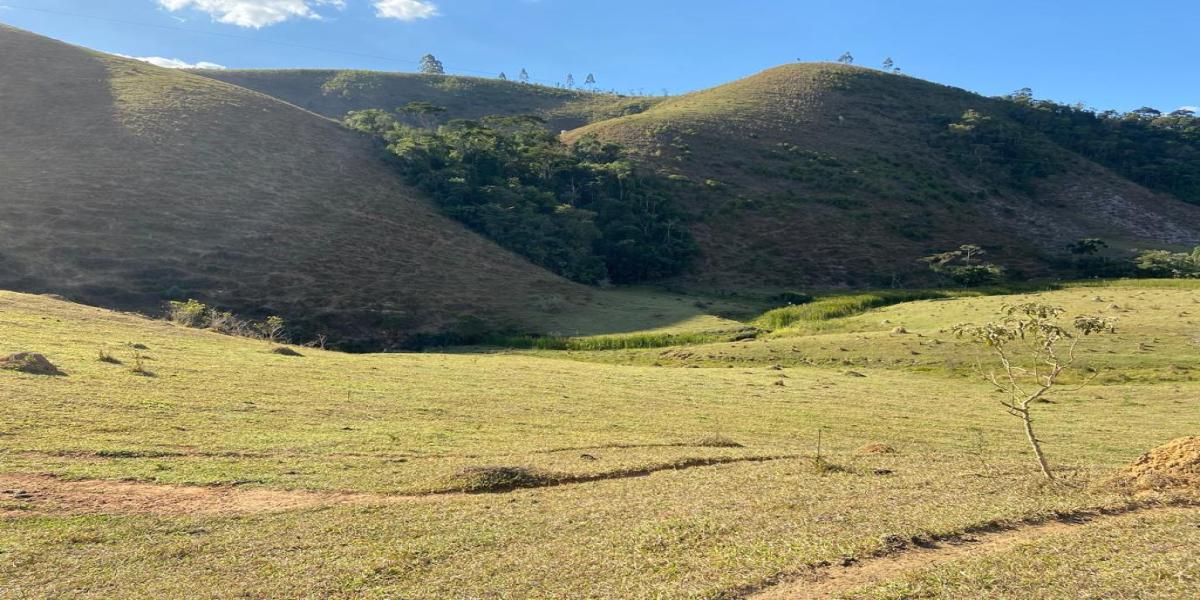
(139, 366)
(225, 322)
(273, 329)
(191, 313)
(106, 357)
(319, 341)
(196, 314)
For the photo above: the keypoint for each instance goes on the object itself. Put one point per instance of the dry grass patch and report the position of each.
(875, 448)
(717, 441)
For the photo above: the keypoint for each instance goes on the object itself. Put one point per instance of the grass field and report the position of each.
(225, 470)
(1157, 339)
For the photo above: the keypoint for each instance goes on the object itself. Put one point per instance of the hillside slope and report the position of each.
(335, 93)
(830, 174)
(123, 184)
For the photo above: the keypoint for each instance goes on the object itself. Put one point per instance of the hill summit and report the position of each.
(839, 175)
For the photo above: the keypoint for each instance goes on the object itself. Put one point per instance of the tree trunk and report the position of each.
(1037, 446)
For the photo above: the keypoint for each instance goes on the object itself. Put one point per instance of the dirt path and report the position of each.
(35, 495)
(830, 582)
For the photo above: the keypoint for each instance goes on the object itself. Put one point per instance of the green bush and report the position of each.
(1161, 263)
(191, 313)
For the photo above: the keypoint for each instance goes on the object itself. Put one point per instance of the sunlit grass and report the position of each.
(223, 410)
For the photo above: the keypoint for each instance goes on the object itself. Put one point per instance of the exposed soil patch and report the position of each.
(903, 557)
(1175, 464)
(32, 495)
(29, 362)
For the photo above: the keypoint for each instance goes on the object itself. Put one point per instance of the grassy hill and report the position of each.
(832, 174)
(335, 93)
(228, 470)
(123, 184)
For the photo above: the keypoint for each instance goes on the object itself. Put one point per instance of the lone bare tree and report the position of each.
(1032, 350)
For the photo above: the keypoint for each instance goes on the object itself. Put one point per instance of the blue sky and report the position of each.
(1106, 54)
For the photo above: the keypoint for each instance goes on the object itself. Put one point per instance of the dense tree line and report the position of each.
(1158, 150)
(1163, 263)
(996, 148)
(583, 210)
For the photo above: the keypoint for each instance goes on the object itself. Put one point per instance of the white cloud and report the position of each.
(253, 13)
(405, 10)
(174, 63)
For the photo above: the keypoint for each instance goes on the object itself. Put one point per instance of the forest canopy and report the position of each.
(1158, 150)
(583, 210)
